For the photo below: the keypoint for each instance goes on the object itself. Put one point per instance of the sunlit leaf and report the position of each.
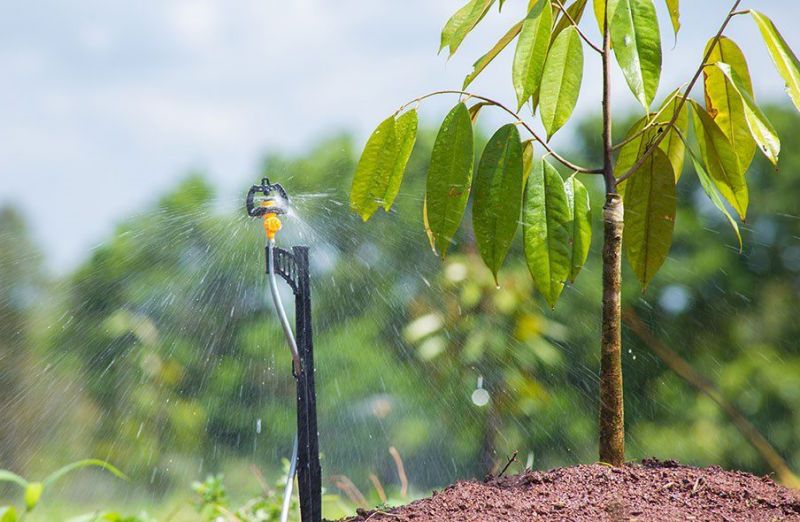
(599, 7)
(724, 104)
(650, 206)
(761, 129)
(8, 514)
(405, 137)
(575, 10)
(527, 158)
(637, 140)
(531, 51)
(782, 55)
(674, 8)
(487, 58)
(449, 176)
(580, 225)
(462, 22)
(374, 170)
(546, 231)
(713, 195)
(561, 80)
(720, 160)
(33, 492)
(498, 196)
(476, 109)
(427, 226)
(637, 45)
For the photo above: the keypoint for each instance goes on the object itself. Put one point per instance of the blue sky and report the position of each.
(107, 104)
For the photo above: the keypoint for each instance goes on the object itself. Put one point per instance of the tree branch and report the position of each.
(685, 96)
(562, 160)
(575, 25)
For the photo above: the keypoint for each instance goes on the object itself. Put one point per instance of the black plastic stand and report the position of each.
(293, 268)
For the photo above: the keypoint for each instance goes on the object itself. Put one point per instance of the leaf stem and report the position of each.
(685, 96)
(518, 120)
(575, 25)
(653, 123)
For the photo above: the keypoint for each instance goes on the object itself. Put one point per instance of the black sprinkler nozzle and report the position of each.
(273, 192)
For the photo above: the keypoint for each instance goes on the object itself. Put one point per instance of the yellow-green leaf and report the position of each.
(561, 80)
(724, 104)
(8, 514)
(720, 160)
(546, 231)
(599, 13)
(674, 8)
(575, 10)
(760, 128)
(487, 58)
(33, 492)
(498, 196)
(782, 55)
(580, 225)
(449, 176)
(531, 52)
(637, 45)
(527, 158)
(374, 170)
(405, 137)
(462, 22)
(476, 109)
(713, 195)
(650, 205)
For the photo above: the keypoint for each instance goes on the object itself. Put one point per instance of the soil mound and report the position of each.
(651, 490)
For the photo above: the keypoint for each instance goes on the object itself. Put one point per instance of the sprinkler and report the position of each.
(269, 201)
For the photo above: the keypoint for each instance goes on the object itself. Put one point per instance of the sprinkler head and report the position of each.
(267, 198)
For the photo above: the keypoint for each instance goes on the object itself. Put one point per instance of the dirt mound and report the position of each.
(651, 490)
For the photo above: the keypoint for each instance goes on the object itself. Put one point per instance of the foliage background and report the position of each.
(160, 353)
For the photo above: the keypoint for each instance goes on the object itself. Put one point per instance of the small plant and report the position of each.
(639, 173)
(33, 491)
(214, 504)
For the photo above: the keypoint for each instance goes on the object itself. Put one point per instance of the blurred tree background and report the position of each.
(161, 354)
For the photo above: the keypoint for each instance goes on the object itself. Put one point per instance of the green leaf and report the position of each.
(561, 80)
(720, 160)
(575, 10)
(405, 137)
(380, 169)
(462, 22)
(724, 104)
(449, 176)
(487, 58)
(637, 45)
(672, 145)
(32, 495)
(531, 52)
(674, 8)
(760, 128)
(782, 55)
(650, 206)
(713, 195)
(527, 158)
(476, 109)
(546, 231)
(69, 468)
(580, 224)
(374, 170)
(8, 476)
(498, 196)
(8, 514)
(599, 14)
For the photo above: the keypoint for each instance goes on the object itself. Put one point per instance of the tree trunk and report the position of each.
(612, 422)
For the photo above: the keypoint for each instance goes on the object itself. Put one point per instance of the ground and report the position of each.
(650, 490)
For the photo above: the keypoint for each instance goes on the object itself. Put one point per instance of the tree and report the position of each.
(639, 173)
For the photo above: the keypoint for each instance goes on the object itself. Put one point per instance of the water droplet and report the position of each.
(258, 426)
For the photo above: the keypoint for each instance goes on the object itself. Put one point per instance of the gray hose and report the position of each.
(287, 331)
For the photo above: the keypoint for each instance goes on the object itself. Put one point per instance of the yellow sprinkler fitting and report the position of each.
(272, 224)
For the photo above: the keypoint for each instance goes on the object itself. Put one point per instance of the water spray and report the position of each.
(269, 201)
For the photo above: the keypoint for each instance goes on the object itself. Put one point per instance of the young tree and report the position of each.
(639, 173)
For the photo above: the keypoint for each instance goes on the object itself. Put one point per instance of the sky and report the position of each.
(106, 105)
